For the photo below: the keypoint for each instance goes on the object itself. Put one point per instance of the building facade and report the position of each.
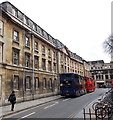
(101, 72)
(30, 58)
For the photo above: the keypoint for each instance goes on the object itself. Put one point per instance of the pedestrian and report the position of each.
(12, 99)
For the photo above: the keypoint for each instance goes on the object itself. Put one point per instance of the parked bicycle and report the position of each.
(104, 111)
(105, 99)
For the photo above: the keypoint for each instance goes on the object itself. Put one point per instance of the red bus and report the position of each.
(90, 84)
(112, 84)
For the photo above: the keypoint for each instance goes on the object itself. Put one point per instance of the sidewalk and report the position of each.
(5, 110)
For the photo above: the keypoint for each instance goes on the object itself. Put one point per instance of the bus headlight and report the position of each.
(61, 84)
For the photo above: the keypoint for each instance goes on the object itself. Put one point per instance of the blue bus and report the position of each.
(71, 84)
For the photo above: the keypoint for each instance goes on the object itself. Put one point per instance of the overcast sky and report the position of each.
(81, 25)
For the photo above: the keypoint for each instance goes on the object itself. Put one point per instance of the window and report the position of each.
(14, 12)
(50, 83)
(25, 20)
(43, 64)
(66, 69)
(49, 53)
(45, 34)
(36, 46)
(55, 83)
(27, 42)
(54, 55)
(62, 68)
(16, 36)
(54, 67)
(15, 56)
(43, 50)
(106, 76)
(1, 53)
(16, 82)
(61, 57)
(36, 62)
(27, 59)
(1, 28)
(28, 82)
(49, 66)
(65, 59)
(44, 83)
(39, 30)
(37, 84)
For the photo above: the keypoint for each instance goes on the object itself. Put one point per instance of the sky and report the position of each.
(81, 25)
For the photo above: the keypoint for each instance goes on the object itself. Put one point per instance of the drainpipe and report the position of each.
(33, 67)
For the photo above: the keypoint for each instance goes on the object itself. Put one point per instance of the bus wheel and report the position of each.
(77, 93)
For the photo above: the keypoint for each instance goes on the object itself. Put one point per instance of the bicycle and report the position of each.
(105, 110)
(102, 100)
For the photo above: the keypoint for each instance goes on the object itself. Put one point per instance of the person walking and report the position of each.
(12, 99)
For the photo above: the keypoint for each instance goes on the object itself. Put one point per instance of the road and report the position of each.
(61, 108)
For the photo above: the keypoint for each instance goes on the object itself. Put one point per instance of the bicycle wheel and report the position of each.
(100, 113)
(94, 104)
(109, 112)
(98, 105)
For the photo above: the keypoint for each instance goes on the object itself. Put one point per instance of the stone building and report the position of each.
(101, 72)
(30, 58)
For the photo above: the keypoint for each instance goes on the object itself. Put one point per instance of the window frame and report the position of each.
(1, 52)
(44, 83)
(43, 64)
(16, 83)
(37, 86)
(36, 46)
(36, 64)
(43, 50)
(17, 59)
(49, 65)
(27, 87)
(49, 53)
(1, 28)
(50, 83)
(27, 41)
(27, 55)
(15, 37)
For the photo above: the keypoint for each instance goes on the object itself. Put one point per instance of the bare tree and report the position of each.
(108, 44)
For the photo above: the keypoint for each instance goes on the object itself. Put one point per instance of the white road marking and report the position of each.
(28, 115)
(72, 115)
(51, 105)
(66, 99)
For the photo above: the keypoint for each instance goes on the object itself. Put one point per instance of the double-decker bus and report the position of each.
(90, 84)
(71, 84)
(111, 83)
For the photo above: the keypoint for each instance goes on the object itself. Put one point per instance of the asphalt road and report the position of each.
(62, 108)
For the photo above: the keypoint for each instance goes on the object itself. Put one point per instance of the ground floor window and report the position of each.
(28, 82)
(37, 83)
(44, 83)
(16, 82)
